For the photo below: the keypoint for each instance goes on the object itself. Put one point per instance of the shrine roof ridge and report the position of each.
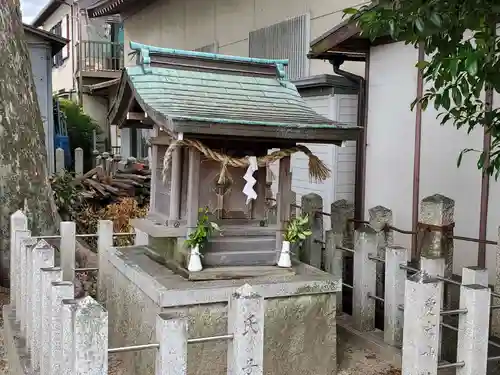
(145, 51)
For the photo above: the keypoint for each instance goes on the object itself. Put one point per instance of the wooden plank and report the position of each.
(176, 184)
(193, 188)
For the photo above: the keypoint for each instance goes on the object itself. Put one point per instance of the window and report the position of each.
(61, 29)
(284, 40)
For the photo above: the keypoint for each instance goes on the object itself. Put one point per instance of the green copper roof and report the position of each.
(222, 98)
(186, 86)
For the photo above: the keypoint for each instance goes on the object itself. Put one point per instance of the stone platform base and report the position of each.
(300, 322)
(15, 345)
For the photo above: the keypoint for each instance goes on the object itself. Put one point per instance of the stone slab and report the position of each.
(299, 309)
(162, 285)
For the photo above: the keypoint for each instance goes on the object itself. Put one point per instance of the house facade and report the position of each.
(278, 29)
(43, 46)
(409, 155)
(87, 68)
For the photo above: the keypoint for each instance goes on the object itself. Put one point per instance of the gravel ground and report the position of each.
(356, 361)
(353, 361)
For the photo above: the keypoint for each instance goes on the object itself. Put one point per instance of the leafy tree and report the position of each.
(462, 60)
(81, 129)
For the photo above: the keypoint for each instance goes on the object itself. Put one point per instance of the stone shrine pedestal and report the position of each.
(300, 316)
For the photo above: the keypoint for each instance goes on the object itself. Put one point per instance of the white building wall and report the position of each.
(346, 107)
(62, 76)
(390, 151)
(190, 24)
(390, 132)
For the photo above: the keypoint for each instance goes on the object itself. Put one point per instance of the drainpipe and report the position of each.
(485, 184)
(359, 185)
(416, 156)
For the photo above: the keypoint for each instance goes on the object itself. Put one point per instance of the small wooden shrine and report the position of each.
(214, 120)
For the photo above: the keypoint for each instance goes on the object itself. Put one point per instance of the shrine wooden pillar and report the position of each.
(284, 190)
(175, 185)
(193, 188)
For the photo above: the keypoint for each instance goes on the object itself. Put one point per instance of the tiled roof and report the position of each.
(222, 98)
(189, 88)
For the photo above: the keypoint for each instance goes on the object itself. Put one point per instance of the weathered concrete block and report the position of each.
(16, 290)
(172, 334)
(26, 251)
(421, 337)
(104, 243)
(473, 329)
(63, 290)
(245, 353)
(49, 275)
(365, 278)
(297, 310)
(18, 222)
(68, 249)
(395, 283)
(42, 257)
(311, 205)
(90, 338)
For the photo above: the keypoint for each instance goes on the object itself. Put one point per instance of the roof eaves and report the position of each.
(46, 12)
(57, 42)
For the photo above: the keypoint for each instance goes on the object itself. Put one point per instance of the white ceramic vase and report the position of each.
(284, 260)
(195, 260)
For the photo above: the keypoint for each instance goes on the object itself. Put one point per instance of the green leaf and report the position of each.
(461, 155)
(419, 24)
(471, 65)
(422, 64)
(350, 11)
(457, 96)
(436, 19)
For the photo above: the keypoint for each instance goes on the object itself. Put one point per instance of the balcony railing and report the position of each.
(99, 56)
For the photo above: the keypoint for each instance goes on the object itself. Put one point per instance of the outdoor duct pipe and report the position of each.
(359, 185)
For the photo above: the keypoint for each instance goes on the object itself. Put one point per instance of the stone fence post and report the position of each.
(104, 243)
(78, 161)
(421, 334)
(436, 221)
(365, 276)
(43, 257)
(68, 249)
(394, 296)
(380, 219)
(172, 334)
(17, 272)
(49, 276)
(473, 327)
(60, 161)
(340, 234)
(245, 354)
(26, 250)
(84, 337)
(18, 222)
(63, 290)
(312, 204)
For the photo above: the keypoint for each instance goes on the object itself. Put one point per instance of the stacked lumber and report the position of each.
(123, 179)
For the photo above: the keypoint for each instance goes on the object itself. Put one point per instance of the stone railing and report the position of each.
(380, 278)
(48, 331)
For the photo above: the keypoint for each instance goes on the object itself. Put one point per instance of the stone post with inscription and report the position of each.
(245, 355)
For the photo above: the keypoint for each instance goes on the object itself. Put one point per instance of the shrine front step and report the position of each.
(233, 243)
(241, 258)
(230, 250)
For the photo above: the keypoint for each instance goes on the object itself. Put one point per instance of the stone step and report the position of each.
(241, 258)
(234, 243)
(248, 231)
